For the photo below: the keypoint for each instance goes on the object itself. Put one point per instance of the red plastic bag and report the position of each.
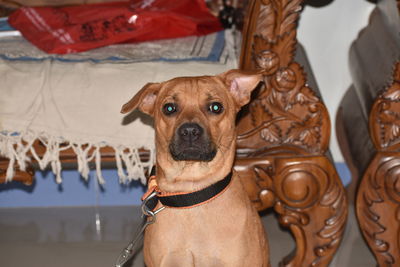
(63, 30)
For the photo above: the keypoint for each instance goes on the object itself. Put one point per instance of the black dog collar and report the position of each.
(188, 200)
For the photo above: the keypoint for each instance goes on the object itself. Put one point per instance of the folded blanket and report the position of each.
(79, 103)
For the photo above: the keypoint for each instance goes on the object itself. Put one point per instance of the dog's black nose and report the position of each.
(190, 131)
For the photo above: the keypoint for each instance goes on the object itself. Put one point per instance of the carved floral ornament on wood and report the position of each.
(286, 110)
(385, 115)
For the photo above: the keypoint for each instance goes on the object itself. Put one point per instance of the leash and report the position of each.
(170, 200)
(148, 217)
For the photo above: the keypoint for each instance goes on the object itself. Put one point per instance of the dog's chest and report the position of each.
(218, 218)
(214, 234)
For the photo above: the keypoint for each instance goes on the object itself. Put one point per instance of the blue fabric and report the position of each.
(4, 26)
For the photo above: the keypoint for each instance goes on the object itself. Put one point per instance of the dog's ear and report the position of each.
(241, 84)
(144, 100)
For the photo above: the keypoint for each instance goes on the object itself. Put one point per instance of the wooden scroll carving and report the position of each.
(378, 198)
(308, 196)
(283, 136)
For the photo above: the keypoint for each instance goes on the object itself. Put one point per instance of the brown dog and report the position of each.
(195, 149)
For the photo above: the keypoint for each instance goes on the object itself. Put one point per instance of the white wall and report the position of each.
(327, 33)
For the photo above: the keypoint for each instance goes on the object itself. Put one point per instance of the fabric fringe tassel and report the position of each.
(16, 147)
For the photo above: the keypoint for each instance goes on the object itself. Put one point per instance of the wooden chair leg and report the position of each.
(378, 208)
(312, 203)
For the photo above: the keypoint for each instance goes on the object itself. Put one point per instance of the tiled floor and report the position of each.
(58, 237)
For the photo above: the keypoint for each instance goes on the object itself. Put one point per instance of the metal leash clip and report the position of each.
(147, 211)
(149, 217)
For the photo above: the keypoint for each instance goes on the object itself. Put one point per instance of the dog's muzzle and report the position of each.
(191, 142)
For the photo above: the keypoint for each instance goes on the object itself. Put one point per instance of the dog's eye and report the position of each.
(169, 108)
(216, 108)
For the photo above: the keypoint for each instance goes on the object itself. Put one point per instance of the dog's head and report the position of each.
(195, 116)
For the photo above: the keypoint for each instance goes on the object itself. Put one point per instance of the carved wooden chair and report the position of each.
(368, 124)
(283, 137)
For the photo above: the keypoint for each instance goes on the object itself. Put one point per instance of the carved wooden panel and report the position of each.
(378, 208)
(309, 198)
(284, 124)
(384, 121)
(285, 111)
